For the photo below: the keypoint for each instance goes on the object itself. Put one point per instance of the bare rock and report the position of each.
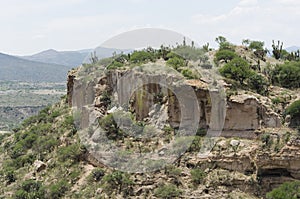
(39, 166)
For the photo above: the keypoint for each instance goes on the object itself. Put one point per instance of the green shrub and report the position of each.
(72, 152)
(225, 55)
(223, 43)
(176, 62)
(258, 83)
(9, 175)
(266, 139)
(118, 181)
(58, 190)
(256, 45)
(197, 176)
(237, 69)
(172, 171)
(141, 57)
(189, 74)
(287, 75)
(109, 124)
(294, 109)
(288, 190)
(30, 189)
(115, 65)
(167, 191)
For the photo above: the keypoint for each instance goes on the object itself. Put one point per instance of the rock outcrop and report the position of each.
(141, 92)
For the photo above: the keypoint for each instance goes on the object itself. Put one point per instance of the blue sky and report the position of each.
(30, 26)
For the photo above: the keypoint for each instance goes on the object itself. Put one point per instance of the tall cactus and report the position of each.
(277, 49)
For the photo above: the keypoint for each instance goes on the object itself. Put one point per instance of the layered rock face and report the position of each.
(248, 163)
(141, 92)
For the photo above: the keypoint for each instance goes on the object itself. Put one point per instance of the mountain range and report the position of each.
(46, 66)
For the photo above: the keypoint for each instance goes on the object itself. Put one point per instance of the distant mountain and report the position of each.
(292, 48)
(15, 68)
(67, 58)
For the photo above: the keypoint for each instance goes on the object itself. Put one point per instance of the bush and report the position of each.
(287, 75)
(57, 190)
(197, 176)
(72, 152)
(266, 139)
(256, 45)
(176, 62)
(189, 74)
(119, 181)
(141, 57)
(237, 69)
(115, 65)
(9, 175)
(109, 124)
(30, 189)
(294, 109)
(258, 83)
(173, 171)
(288, 190)
(167, 191)
(226, 55)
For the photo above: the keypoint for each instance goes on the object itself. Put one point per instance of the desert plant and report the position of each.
(118, 181)
(277, 49)
(225, 55)
(30, 189)
(197, 176)
(258, 83)
(57, 190)
(288, 190)
(167, 191)
(286, 75)
(176, 62)
(237, 69)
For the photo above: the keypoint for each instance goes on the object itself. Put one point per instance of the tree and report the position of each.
(237, 69)
(226, 55)
(141, 57)
(223, 43)
(256, 45)
(176, 62)
(246, 42)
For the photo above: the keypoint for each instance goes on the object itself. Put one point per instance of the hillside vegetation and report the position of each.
(44, 157)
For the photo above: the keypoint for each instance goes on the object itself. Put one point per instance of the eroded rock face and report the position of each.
(241, 112)
(245, 112)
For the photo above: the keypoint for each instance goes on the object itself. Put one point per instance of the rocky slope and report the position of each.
(145, 131)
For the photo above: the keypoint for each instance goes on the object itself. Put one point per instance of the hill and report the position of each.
(130, 137)
(17, 69)
(66, 58)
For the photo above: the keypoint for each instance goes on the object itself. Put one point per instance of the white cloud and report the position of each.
(254, 20)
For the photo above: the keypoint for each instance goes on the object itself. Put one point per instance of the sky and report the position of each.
(31, 26)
